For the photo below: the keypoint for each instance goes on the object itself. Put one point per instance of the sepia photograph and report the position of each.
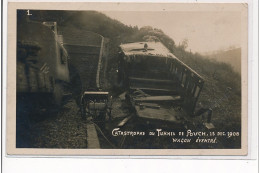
(163, 79)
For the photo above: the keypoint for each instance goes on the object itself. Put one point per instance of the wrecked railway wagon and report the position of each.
(42, 68)
(160, 87)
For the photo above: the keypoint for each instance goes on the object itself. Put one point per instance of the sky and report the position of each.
(205, 31)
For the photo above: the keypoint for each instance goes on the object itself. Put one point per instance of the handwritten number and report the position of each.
(28, 13)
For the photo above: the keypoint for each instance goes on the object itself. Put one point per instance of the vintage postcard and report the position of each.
(127, 79)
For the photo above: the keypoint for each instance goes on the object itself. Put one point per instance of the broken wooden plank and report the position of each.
(209, 126)
(124, 121)
(153, 89)
(151, 80)
(158, 98)
(122, 96)
(162, 114)
(150, 105)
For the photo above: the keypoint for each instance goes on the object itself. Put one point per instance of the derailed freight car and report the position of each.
(160, 87)
(42, 67)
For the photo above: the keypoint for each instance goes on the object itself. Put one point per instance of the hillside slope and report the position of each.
(231, 57)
